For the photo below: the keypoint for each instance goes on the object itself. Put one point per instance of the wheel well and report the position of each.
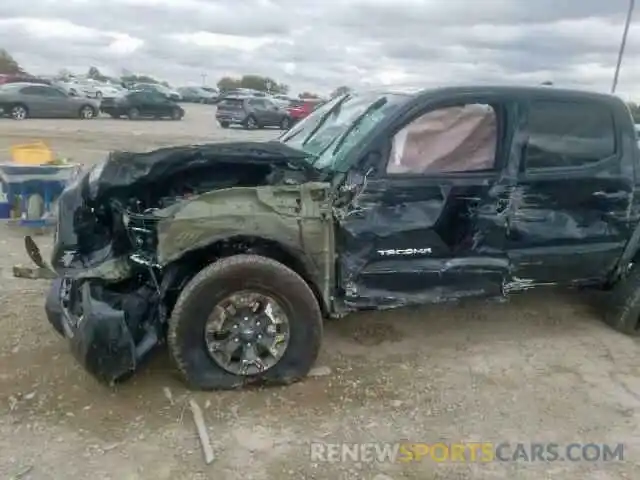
(194, 261)
(19, 104)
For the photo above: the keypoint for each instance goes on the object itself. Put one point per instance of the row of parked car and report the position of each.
(248, 108)
(21, 100)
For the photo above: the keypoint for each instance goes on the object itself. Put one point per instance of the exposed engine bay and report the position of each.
(114, 292)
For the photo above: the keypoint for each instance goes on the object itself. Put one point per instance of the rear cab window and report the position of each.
(231, 103)
(568, 134)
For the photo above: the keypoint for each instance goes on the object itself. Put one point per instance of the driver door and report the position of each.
(430, 222)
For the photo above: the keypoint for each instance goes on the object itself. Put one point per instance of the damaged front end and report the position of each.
(134, 229)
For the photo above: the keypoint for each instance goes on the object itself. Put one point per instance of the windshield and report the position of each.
(335, 127)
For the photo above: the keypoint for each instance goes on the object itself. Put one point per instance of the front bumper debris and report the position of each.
(110, 328)
(106, 329)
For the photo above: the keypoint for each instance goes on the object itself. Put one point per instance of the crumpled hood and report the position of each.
(88, 225)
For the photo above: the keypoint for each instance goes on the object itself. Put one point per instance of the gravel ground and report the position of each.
(540, 368)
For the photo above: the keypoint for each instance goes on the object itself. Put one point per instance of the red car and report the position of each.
(299, 109)
(14, 78)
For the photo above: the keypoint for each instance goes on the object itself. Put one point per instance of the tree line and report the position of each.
(8, 65)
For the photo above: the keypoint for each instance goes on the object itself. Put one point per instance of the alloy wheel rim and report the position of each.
(247, 333)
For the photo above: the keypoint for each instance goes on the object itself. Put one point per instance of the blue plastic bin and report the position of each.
(22, 181)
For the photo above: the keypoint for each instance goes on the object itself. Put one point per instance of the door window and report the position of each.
(41, 91)
(568, 134)
(53, 92)
(156, 97)
(460, 138)
(258, 104)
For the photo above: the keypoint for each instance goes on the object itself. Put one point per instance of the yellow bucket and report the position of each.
(37, 153)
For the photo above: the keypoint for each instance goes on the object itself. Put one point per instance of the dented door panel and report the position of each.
(573, 214)
(424, 240)
(568, 232)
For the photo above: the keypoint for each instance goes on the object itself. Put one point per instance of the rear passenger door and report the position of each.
(570, 211)
(258, 109)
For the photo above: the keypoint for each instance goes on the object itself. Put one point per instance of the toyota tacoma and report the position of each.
(232, 254)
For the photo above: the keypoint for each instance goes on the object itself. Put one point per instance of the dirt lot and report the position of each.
(540, 368)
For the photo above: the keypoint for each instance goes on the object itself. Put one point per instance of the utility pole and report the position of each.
(204, 79)
(623, 44)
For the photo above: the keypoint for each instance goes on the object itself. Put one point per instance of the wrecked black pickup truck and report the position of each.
(233, 253)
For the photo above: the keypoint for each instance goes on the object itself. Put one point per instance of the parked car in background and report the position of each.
(242, 92)
(281, 100)
(22, 100)
(213, 90)
(251, 113)
(197, 95)
(82, 89)
(299, 109)
(22, 78)
(142, 104)
(107, 90)
(156, 87)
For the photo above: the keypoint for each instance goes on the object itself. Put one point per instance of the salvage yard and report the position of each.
(539, 368)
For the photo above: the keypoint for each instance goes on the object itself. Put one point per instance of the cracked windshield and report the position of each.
(319, 240)
(338, 125)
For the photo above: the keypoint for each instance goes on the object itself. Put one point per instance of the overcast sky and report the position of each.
(320, 44)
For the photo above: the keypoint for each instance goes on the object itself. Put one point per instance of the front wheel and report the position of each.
(244, 320)
(176, 114)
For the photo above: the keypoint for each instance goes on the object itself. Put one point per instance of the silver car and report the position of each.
(22, 100)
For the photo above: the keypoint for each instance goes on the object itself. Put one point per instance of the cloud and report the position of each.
(319, 44)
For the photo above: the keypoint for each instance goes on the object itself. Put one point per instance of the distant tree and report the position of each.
(95, 74)
(8, 64)
(547, 83)
(132, 78)
(228, 83)
(64, 75)
(254, 82)
(340, 91)
(308, 95)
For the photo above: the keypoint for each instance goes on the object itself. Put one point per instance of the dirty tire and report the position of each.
(133, 114)
(215, 282)
(623, 305)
